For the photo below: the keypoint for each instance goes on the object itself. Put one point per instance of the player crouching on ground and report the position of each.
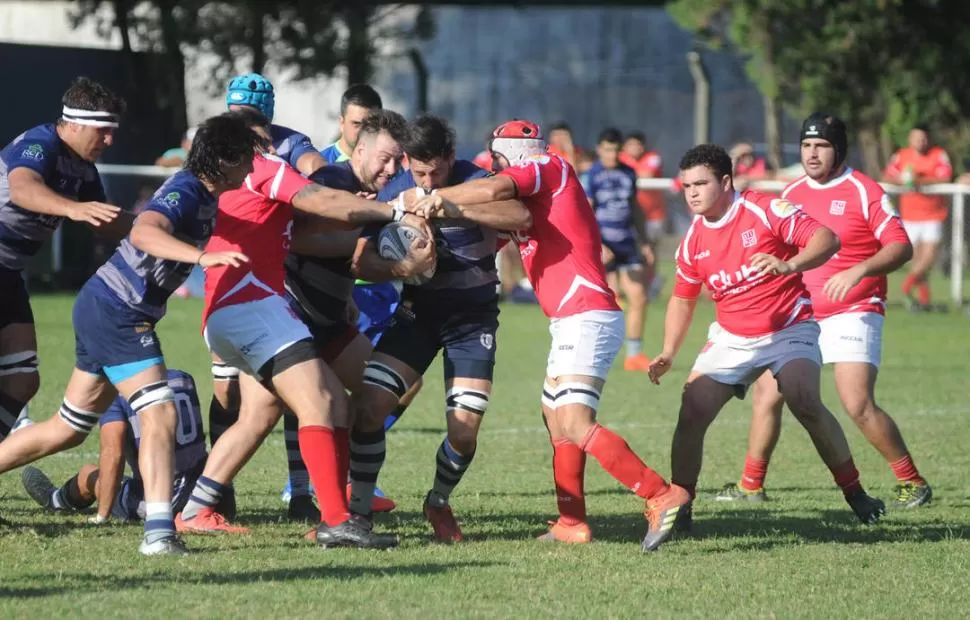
(750, 251)
(123, 497)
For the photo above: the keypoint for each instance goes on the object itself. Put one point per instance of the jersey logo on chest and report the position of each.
(748, 238)
(837, 207)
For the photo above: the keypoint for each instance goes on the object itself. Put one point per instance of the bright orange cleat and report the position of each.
(661, 513)
(379, 503)
(637, 363)
(443, 522)
(207, 521)
(576, 534)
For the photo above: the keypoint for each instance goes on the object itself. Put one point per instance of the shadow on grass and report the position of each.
(69, 583)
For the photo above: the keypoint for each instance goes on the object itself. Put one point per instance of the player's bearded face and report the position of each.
(91, 142)
(429, 175)
(380, 158)
(818, 158)
(918, 140)
(704, 193)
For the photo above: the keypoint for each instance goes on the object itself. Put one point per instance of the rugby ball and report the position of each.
(393, 243)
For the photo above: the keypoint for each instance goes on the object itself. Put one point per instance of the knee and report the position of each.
(862, 410)
(23, 389)
(463, 438)
(370, 407)
(259, 424)
(806, 404)
(87, 476)
(636, 295)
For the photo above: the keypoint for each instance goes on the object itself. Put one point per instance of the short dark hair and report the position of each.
(362, 95)
(710, 155)
(385, 120)
(429, 137)
(611, 135)
(251, 116)
(560, 126)
(223, 139)
(924, 127)
(638, 136)
(86, 94)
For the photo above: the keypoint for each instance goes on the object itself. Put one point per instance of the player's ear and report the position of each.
(727, 183)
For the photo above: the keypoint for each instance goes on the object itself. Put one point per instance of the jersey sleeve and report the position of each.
(688, 282)
(276, 180)
(789, 223)
(37, 155)
(298, 145)
(651, 165)
(527, 176)
(884, 221)
(943, 169)
(117, 412)
(174, 203)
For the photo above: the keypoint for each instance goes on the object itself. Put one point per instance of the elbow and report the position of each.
(832, 242)
(906, 253)
(525, 221)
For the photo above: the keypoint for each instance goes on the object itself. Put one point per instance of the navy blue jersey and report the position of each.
(321, 287)
(465, 273)
(144, 282)
(23, 232)
(190, 449)
(290, 144)
(612, 192)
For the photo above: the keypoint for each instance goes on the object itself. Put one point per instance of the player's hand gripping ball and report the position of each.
(400, 242)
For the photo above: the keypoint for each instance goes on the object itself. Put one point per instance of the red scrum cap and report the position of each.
(516, 140)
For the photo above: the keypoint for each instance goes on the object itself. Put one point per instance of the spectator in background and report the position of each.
(356, 104)
(923, 216)
(174, 158)
(560, 142)
(747, 166)
(653, 203)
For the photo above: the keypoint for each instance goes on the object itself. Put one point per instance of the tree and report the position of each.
(879, 64)
(306, 38)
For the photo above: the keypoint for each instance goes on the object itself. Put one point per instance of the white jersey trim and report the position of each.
(578, 283)
(249, 278)
(727, 217)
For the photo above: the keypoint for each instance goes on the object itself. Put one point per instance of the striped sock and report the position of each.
(299, 476)
(206, 494)
(367, 453)
(450, 468)
(159, 524)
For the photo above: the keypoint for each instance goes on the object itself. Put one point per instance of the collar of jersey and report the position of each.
(830, 184)
(727, 217)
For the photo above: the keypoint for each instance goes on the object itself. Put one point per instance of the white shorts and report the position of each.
(923, 232)
(739, 361)
(585, 343)
(851, 337)
(249, 334)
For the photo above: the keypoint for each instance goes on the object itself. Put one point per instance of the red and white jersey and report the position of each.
(718, 254)
(561, 250)
(856, 209)
(257, 220)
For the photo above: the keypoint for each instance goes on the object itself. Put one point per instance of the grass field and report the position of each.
(800, 555)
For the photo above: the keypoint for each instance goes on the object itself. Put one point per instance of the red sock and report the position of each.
(341, 437)
(568, 470)
(908, 283)
(847, 477)
(319, 451)
(905, 470)
(923, 291)
(619, 461)
(753, 476)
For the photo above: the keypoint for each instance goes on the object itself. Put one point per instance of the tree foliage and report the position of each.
(302, 38)
(880, 64)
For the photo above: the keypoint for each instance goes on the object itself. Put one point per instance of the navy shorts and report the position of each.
(129, 504)
(467, 337)
(110, 338)
(15, 305)
(376, 302)
(626, 255)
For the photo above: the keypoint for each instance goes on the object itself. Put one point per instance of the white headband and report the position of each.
(91, 118)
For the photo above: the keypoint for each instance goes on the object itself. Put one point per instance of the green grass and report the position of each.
(800, 555)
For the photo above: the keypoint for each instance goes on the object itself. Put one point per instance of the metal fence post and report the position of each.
(956, 249)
